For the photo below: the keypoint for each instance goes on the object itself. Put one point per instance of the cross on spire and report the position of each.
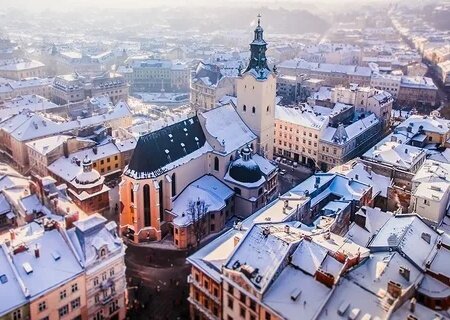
(259, 19)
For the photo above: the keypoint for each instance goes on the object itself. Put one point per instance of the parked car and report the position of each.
(283, 172)
(283, 160)
(278, 159)
(295, 164)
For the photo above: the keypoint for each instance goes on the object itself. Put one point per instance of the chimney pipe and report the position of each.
(36, 252)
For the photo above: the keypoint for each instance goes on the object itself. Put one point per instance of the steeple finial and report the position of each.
(259, 19)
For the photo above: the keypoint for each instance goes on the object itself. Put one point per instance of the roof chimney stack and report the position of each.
(37, 254)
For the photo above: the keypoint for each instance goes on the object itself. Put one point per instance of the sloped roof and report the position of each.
(156, 150)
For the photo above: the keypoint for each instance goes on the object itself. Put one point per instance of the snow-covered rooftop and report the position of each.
(225, 125)
(208, 189)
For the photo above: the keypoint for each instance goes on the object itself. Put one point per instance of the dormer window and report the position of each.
(102, 253)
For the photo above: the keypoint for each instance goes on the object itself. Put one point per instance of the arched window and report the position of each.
(161, 202)
(268, 108)
(174, 185)
(244, 107)
(237, 190)
(216, 163)
(102, 252)
(146, 191)
(131, 194)
(253, 110)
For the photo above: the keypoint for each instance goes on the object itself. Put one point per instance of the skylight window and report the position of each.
(27, 267)
(3, 279)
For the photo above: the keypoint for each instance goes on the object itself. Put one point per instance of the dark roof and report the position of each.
(159, 148)
(210, 71)
(246, 171)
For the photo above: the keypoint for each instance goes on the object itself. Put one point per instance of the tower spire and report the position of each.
(258, 61)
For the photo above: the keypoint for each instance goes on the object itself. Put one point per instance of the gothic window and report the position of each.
(174, 185)
(161, 201)
(216, 164)
(146, 191)
(268, 109)
(253, 110)
(244, 108)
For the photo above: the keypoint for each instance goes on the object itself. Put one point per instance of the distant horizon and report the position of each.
(64, 5)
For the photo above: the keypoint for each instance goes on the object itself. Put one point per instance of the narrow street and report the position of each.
(157, 282)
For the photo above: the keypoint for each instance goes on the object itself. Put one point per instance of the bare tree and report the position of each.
(197, 211)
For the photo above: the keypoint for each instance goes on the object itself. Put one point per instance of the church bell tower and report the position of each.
(256, 92)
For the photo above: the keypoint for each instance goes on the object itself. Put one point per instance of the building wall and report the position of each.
(415, 95)
(21, 74)
(185, 236)
(64, 296)
(22, 312)
(433, 210)
(202, 96)
(258, 96)
(296, 142)
(205, 296)
(107, 302)
(133, 211)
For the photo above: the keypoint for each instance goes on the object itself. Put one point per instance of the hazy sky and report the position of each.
(61, 4)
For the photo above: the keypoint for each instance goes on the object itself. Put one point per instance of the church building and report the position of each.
(188, 179)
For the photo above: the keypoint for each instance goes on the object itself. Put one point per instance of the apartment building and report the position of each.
(319, 272)
(297, 133)
(417, 90)
(10, 89)
(18, 69)
(340, 144)
(43, 152)
(17, 131)
(73, 88)
(49, 272)
(106, 288)
(444, 70)
(365, 99)
(331, 74)
(50, 276)
(154, 75)
(209, 85)
(430, 191)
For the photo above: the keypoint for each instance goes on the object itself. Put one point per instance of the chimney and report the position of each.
(405, 273)
(94, 149)
(236, 240)
(317, 183)
(36, 252)
(12, 235)
(286, 228)
(65, 149)
(426, 236)
(394, 289)
(412, 305)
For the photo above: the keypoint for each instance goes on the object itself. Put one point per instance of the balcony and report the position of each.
(202, 309)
